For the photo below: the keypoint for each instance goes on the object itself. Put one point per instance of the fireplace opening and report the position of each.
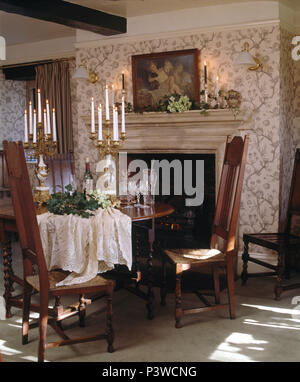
(188, 226)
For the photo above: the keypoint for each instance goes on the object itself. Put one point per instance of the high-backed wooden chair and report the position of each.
(222, 246)
(44, 282)
(4, 189)
(283, 243)
(61, 170)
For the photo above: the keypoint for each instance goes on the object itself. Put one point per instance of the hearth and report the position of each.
(188, 226)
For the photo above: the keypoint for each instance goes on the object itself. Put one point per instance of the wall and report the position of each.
(12, 104)
(260, 92)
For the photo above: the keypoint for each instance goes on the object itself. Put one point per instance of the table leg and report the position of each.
(150, 296)
(7, 254)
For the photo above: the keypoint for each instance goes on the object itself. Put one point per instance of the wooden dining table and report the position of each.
(138, 215)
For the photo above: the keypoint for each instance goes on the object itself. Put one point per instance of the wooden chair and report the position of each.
(284, 243)
(4, 189)
(223, 230)
(61, 170)
(44, 282)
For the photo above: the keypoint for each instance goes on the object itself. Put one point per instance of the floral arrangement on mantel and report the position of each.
(179, 103)
(77, 203)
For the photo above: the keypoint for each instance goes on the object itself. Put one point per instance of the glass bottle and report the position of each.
(87, 178)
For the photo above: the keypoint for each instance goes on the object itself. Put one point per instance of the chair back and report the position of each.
(61, 171)
(229, 195)
(4, 189)
(25, 214)
(294, 198)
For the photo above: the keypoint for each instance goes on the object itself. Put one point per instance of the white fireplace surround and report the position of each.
(187, 132)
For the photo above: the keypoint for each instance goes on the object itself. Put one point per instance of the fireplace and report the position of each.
(188, 226)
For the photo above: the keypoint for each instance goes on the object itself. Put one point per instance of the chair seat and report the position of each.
(57, 276)
(194, 256)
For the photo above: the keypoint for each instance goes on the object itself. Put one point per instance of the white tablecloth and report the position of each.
(86, 247)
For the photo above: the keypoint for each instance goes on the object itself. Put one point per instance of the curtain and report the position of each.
(53, 79)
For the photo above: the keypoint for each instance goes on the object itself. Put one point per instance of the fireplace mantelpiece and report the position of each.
(187, 132)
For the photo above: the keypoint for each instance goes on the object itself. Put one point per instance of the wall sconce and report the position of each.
(245, 58)
(82, 73)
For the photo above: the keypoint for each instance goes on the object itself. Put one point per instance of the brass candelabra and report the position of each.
(41, 145)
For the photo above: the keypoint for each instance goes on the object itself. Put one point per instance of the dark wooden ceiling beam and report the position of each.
(65, 13)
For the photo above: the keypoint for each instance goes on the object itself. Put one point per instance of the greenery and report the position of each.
(76, 203)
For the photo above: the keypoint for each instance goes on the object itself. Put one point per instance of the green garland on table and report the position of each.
(76, 203)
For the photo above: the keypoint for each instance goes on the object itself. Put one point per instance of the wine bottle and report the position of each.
(87, 178)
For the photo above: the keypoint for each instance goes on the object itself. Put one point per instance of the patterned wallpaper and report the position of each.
(260, 93)
(12, 104)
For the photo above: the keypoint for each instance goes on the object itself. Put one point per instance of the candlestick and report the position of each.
(205, 73)
(34, 127)
(30, 118)
(123, 115)
(45, 122)
(92, 115)
(39, 106)
(48, 117)
(123, 81)
(100, 136)
(25, 127)
(106, 103)
(54, 125)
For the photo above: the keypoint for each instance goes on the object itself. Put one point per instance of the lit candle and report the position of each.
(123, 115)
(25, 127)
(45, 121)
(48, 117)
(34, 126)
(205, 73)
(123, 81)
(92, 115)
(30, 117)
(217, 87)
(115, 124)
(39, 106)
(106, 103)
(100, 138)
(112, 94)
(54, 125)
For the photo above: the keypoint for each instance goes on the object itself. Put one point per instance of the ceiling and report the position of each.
(20, 29)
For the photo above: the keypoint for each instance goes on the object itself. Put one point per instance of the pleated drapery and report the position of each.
(53, 79)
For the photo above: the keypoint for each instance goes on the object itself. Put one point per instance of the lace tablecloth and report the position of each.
(86, 247)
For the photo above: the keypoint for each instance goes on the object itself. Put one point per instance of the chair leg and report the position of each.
(43, 335)
(245, 257)
(280, 270)
(26, 312)
(230, 286)
(178, 300)
(109, 327)
(163, 289)
(216, 277)
(82, 311)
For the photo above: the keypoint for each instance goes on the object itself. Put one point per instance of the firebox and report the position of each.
(188, 226)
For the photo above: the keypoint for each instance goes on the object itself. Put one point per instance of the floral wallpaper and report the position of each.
(260, 94)
(12, 104)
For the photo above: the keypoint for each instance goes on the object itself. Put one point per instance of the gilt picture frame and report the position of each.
(156, 76)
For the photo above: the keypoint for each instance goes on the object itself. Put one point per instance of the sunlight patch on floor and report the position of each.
(274, 309)
(6, 350)
(233, 344)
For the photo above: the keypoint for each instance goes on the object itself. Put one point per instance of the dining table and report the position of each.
(138, 215)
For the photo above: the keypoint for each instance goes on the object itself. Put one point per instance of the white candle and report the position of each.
(123, 115)
(54, 125)
(48, 117)
(39, 106)
(217, 87)
(112, 94)
(115, 125)
(106, 103)
(25, 127)
(34, 126)
(30, 117)
(45, 121)
(100, 138)
(92, 115)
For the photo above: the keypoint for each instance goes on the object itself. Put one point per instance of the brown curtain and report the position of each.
(53, 79)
